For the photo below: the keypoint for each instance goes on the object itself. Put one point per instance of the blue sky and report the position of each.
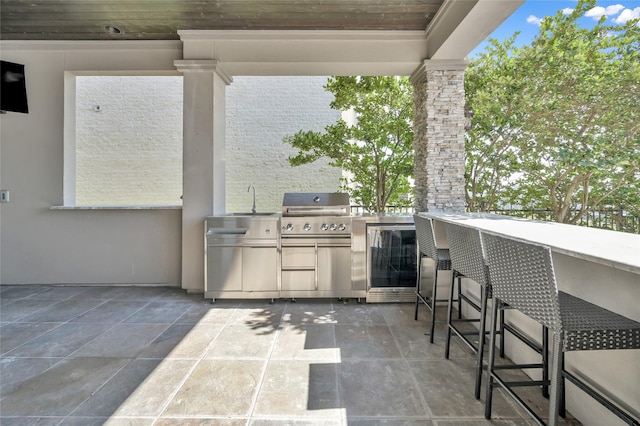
(526, 19)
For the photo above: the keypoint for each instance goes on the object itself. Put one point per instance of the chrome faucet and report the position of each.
(253, 209)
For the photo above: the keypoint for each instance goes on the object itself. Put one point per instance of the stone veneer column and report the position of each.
(438, 141)
(203, 177)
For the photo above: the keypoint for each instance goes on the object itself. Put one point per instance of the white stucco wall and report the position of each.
(39, 245)
(261, 111)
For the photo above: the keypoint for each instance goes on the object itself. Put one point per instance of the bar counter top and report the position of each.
(616, 249)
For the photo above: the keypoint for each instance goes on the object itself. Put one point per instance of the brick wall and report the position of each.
(261, 111)
(130, 151)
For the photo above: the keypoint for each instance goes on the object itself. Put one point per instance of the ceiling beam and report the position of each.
(302, 52)
(460, 26)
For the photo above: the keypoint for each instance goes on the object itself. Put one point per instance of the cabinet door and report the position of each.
(224, 268)
(334, 268)
(260, 269)
(299, 280)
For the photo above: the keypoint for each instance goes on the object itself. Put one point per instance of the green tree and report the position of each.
(494, 94)
(571, 103)
(377, 151)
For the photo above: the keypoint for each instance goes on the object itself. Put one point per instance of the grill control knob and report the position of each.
(307, 227)
(334, 226)
(289, 227)
(342, 227)
(324, 227)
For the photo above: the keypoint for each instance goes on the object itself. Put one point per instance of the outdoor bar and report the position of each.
(599, 266)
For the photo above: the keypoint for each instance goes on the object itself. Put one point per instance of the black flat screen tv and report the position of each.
(13, 88)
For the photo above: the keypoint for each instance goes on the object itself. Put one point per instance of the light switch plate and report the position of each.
(4, 196)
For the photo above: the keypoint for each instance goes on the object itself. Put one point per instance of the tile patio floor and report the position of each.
(73, 355)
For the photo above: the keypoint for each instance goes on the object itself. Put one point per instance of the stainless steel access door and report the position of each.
(241, 257)
(224, 259)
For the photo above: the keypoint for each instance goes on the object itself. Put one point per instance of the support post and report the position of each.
(439, 128)
(203, 160)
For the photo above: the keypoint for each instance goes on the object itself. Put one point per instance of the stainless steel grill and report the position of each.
(316, 215)
(315, 242)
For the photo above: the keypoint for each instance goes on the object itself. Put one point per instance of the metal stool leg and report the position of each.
(545, 361)
(433, 304)
(449, 315)
(419, 272)
(492, 359)
(502, 334)
(562, 410)
(459, 293)
(481, 338)
(556, 380)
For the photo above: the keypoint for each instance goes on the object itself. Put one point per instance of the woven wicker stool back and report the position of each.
(425, 236)
(522, 276)
(466, 252)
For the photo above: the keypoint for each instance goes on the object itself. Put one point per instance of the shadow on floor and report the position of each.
(73, 355)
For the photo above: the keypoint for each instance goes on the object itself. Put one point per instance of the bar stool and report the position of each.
(468, 259)
(442, 262)
(523, 276)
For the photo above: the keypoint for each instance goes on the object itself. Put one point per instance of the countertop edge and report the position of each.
(142, 207)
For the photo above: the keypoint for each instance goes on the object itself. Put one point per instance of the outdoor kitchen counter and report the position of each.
(600, 266)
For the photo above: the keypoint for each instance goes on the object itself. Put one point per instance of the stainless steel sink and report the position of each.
(252, 214)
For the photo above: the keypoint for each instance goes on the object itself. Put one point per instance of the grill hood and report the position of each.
(316, 204)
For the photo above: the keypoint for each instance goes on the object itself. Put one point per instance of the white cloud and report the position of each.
(531, 19)
(598, 11)
(627, 15)
(567, 11)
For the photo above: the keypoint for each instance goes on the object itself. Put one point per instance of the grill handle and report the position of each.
(226, 231)
(323, 211)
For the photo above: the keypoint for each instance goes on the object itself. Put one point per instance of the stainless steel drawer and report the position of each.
(298, 257)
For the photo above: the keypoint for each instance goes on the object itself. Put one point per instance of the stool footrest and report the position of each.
(524, 338)
(525, 383)
(517, 366)
(464, 333)
(463, 337)
(470, 302)
(499, 382)
(626, 417)
(425, 299)
(467, 320)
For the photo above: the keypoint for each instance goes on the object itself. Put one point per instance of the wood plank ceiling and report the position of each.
(161, 19)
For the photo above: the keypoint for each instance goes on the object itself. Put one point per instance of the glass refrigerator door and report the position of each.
(392, 256)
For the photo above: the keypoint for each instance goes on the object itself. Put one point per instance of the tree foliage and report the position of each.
(556, 124)
(376, 152)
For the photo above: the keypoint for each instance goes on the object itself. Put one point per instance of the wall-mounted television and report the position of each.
(13, 88)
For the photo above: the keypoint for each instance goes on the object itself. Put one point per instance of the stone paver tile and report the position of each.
(220, 387)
